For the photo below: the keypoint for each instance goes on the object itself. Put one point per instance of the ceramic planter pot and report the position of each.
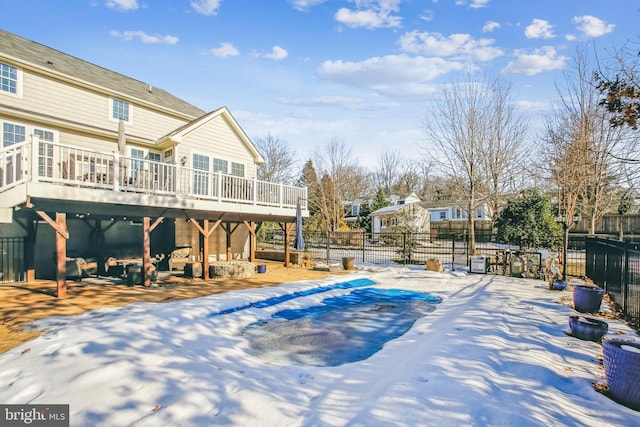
(587, 299)
(622, 368)
(588, 328)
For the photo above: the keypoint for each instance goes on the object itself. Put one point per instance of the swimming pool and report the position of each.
(343, 329)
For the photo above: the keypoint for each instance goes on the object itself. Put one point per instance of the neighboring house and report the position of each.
(455, 213)
(352, 212)
(403, 213)
(101, 160)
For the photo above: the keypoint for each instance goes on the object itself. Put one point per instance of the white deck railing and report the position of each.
(59, 164)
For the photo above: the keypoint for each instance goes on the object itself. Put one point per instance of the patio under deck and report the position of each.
(42, 181)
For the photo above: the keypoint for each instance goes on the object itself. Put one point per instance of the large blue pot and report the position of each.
(588, 328)
(622, 368)
(587, 299)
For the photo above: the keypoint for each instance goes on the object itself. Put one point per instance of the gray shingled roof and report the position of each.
(51, 59)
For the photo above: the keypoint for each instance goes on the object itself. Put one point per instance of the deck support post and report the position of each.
(287, 227)
(252, 240)
(206, 233)
(62, 234)
(147, 228)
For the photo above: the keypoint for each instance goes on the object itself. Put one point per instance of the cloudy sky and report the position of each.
(308, 71)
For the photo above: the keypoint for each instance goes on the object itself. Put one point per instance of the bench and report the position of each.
(179, 257)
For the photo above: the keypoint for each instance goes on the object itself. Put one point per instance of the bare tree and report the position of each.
(506, 146)
(279, 160)
(471, 128)
(410, 176)
(342, 180)
(388, 170)
(583, 147)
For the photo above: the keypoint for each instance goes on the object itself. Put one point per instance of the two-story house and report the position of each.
(94, 163)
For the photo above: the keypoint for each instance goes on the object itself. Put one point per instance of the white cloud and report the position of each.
(277, 54)
(393, 75)
(224, 50)
(371, 14)
(473, 4)
(477, 4)
(305, 5)
(454, 45)
(144, 37)
(206, 7)
(539, 29)
(545, 59)
(591, 26)
(427, 16)
(348, 103)
(489, 26)
(122, 5)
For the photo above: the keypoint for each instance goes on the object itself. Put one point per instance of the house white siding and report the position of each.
(85, 110)
(218, 140)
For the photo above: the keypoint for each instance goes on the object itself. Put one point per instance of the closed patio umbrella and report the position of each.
(122, 139)
(122, 150)
(299, 240)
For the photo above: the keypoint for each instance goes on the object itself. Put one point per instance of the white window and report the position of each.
(443, 215)
(459, 214)
(156, 157)
(45, 152)
(220, 165)
(120, 110)
(355, 209)
(237, 169)
(10, 80)
(137, 164)
(201, 174)
(12, 134)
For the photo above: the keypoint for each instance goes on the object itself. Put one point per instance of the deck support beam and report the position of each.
(206, 233)
(287, 227)
(252, 239)
(147, 228)
(62, 234)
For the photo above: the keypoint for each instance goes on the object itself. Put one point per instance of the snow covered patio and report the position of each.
(494, 352)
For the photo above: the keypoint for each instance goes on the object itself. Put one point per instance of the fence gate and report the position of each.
(12, 265)
(460, 254)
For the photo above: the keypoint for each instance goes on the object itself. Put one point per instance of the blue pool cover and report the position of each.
(360, 296)
(343, 329)
(356, 283)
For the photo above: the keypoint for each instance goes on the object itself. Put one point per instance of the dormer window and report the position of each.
(120, 110)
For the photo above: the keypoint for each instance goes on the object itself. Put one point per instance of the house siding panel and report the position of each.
(75, 104)
(218, 139)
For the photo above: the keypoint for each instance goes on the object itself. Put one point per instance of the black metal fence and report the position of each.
(12, 265)
(615, 266)
(452, 248)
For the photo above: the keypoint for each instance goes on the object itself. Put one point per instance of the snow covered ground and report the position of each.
(494, 352)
